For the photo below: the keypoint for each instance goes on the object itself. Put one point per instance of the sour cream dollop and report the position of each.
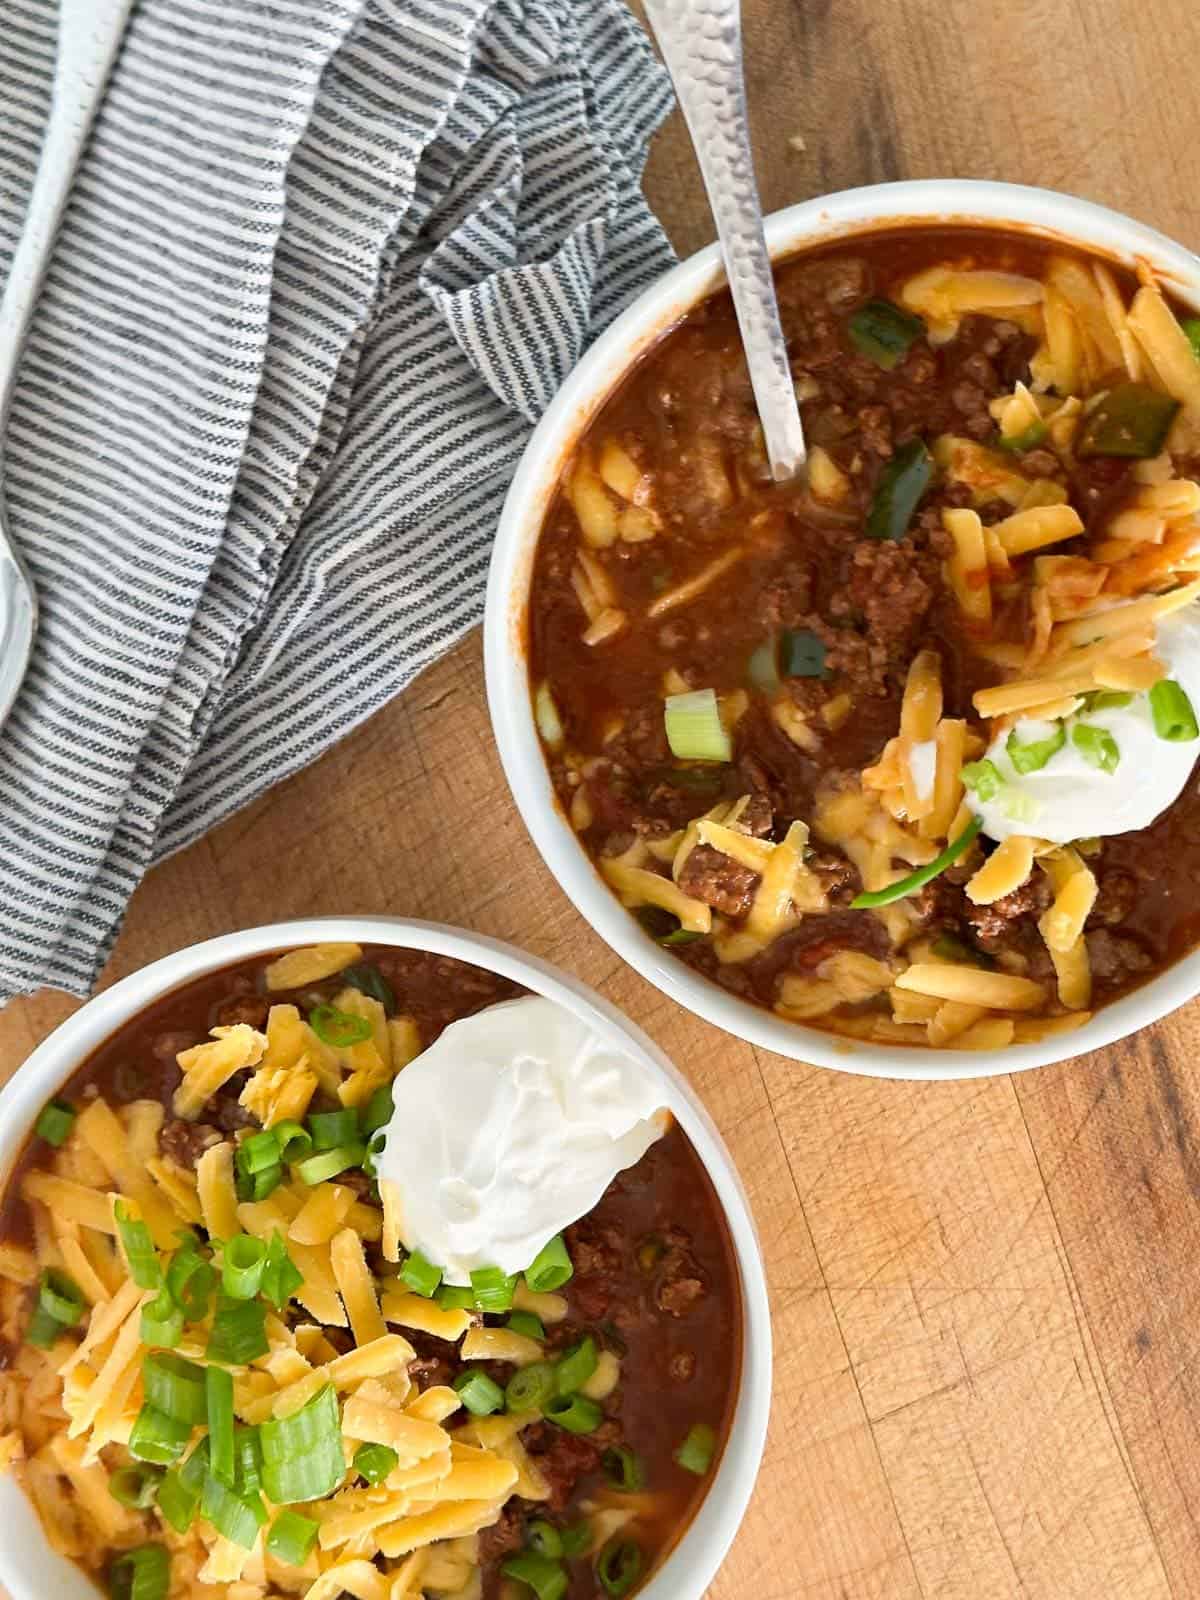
(509, 1128)
(1069, 798)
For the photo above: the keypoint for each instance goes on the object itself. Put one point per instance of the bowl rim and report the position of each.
(692, 1562)
(952, 202)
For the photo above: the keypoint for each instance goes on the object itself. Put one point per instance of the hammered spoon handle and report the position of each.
(701, 43)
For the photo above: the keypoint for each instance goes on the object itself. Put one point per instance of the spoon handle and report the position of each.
(89, 32)
(701, 42)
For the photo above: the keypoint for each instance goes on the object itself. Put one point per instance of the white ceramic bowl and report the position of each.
(30, 1570)
(1074, 222)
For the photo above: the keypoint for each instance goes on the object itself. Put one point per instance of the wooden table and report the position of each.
(985, 1302)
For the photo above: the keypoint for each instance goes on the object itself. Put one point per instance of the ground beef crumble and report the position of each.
(186, 1142)
(718, 880)
(993, 922)
(505, 1536)
(891, 588)
(1116, 957)
(563, 1458)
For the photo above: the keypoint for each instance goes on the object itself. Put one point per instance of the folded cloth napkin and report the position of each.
(324, 264)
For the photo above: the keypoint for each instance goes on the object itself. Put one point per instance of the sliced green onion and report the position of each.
(493, 1289)
(281, 1276)
(265, 1182)
(128, 1082)
(162, 1322)
(190, 1281)
(338, 1028)
(623, 1468)
(330, 1129)
(175, 1387)
(60, 1297)
(238, 1334)
(762, 669)
(262, 1183)
(247, 1461)
(179, 1492)
(694, 780)
(1097, 746)
(195, 1469)
(1191, 326)
(650, 1252)
(375, 1147)
(1172, 712)
(551, 1267)
(367, 979)
(1019, 806)
(478, 1392)
(375, 1462)
(1131, 420)
(574, 1412)
(982, 778)
(177, 1504)
(884, 333)
(696, 1452)
(524, 1322)
(544, 1538)
(242, 1263)
(531, 1387)
(619, 1566)
(949, 948)
(901, 484)
(218, 1389)
(548, 1579)
(328, 1163)
(923, 875)
(801, 654)
(453, 1298)
(140, 1255)
(1106, 699)
(157, 1437)
(259, 1151)
(576, 1540)
(377, 1112)
(421, 1276)
(292, 1538)
(235, 1517)
(136, 1488)
(294, 1141)
(44, 1331)
(1028, 439)
(1033, 755)
(576, 1366)
(55, 1122)
(141, 1574)
(695, 731)
(664, 928)
(302, 1454)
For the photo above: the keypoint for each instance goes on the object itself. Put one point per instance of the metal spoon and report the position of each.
(89, 32)
(701, 42)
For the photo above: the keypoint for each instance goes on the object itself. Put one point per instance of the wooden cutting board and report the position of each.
(986, 1295)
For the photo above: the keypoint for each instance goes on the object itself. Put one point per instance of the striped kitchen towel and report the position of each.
(324, 264)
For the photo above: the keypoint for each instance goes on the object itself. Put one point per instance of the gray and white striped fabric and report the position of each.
(325, 263)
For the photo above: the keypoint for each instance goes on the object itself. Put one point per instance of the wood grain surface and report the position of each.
(985, 1295)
